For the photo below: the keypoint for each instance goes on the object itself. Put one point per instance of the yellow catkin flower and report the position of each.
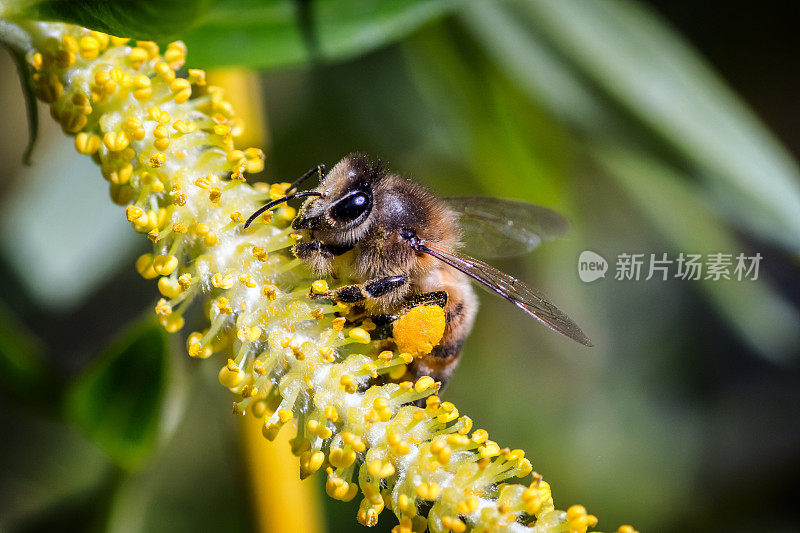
(170, 159)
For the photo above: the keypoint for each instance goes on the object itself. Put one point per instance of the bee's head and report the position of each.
(341, 214)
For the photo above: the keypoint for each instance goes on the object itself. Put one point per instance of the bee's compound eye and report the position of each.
(351, 207)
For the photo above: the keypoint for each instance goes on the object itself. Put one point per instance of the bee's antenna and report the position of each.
(319, 169)
(279, 201)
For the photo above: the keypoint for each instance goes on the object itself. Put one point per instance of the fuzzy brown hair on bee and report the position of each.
(397, 243)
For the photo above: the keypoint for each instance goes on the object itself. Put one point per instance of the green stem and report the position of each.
(14, 37)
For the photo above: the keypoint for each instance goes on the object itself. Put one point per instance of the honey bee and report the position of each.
(399, 243)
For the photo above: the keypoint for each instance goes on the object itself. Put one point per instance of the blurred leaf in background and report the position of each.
(118, 400)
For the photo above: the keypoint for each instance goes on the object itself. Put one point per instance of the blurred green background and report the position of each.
(655, 127)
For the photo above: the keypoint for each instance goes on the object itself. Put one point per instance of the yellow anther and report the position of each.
(448, 414)
(157, 160)
(489, 449)
(89, 47)
(479, 436)
(144, 266)
(424, 383)
(270, 291)
(87, 143)
(368, 516)
(331, 414)
(360, 335)
(221, 129)
(150, 46)
(120, 77)
(165, 265)
(255, 160)
(348, 384)
(102, 38)
(211, 240)
(468, 506)
(138, 55)
(457, 440)
(371, 369)
(579, 520)
(284, 415)
(214, 195)
(428, 491)
(116, 141)
(169, 287)
(118, 41)
(222, 281)
(231, 375)
(181, 89)
(179, 227)
(432, 403)
(524, 468)
(223, 305)
(164, 71)
(195, 348)
(197, 77)
(453, 524)
(380, 469)
(341, 458)
(310, 462)
(163, 308)
(338, 323)
(185, 127)
(320, 286)
(626, 529)
(142, 87)
(37, 61)
(326, 352)
(175, 54)
(172, 323)
(247, 280)
(157, 114)
(250, 334)
(134, 213)
(236, 157)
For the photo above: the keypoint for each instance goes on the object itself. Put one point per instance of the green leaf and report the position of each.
(119, 399)
(615, 65)
(24, 374)
(138, 19)
(278, 33)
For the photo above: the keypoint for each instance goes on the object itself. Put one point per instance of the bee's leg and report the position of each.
(309, 249)
(375, 288)
(383, 326)
(428, 298)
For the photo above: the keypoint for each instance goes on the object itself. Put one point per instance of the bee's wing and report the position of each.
(527, 299)
(493, 227)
